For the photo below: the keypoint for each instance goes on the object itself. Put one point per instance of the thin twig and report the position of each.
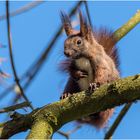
(75, 129)
(23, 9)
(14, 107)
(7, 90)
(36, 66)
(88, 13)
(67, 134)
(40, 61)
(63, 134)
(11, 55)
(34, 69)
(116, 123)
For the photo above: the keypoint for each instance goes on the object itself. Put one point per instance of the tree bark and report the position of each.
(50, 118)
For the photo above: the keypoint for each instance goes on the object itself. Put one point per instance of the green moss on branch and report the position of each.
(48, 119)
(14, 126)
(41, 129)
(79, 105)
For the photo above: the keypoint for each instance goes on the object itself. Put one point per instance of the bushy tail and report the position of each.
(105, 37)
(98, 120)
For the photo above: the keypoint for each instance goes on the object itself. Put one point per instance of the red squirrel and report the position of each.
(91, 59)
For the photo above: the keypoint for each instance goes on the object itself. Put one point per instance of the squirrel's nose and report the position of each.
(68, 53)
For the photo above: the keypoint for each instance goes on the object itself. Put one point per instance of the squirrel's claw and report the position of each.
(65, 95)
(92, 87)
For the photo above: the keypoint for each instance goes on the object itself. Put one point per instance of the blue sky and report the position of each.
(31, 33)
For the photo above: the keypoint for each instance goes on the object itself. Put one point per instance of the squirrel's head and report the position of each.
(77, 41)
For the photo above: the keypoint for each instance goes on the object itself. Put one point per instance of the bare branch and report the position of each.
(11, 55)
(6, 91)
(74, 130)
(67, 134)
(14, 107)
(40, 61)
(30, 74)
(116, 123)
(35, 67)
(88, 13)
(23, 9)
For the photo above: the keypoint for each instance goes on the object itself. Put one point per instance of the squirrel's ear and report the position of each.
(66, 24)
(83, 24)
(85, 28)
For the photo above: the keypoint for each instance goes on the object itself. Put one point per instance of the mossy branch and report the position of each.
(41, 129)
(48, 119)
(19, 123)
(127, 27)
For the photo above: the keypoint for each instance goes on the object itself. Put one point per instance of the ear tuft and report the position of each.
(83, 24)
(66, 23)
(85, 28)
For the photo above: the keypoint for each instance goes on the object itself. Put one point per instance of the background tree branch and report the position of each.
(33, 70)
(23, 9)
(11, 56)
(14, 107)
(116, 123)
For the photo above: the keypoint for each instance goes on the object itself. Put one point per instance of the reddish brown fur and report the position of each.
(98, 49)
(99, 120)
(105, 37)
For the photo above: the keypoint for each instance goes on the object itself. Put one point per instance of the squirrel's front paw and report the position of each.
(92, 88)
(79, 74)
(64, 95)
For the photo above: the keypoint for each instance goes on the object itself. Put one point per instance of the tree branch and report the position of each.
(88, 13)
(18, 124)
(107, 96)
(11, 56)
(127, 27)
(116, 123)
(67, 134)
(15, 107)
(45, 130)
(23, 9)
(51, 117)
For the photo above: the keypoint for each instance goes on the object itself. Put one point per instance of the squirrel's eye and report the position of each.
(79, 42)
